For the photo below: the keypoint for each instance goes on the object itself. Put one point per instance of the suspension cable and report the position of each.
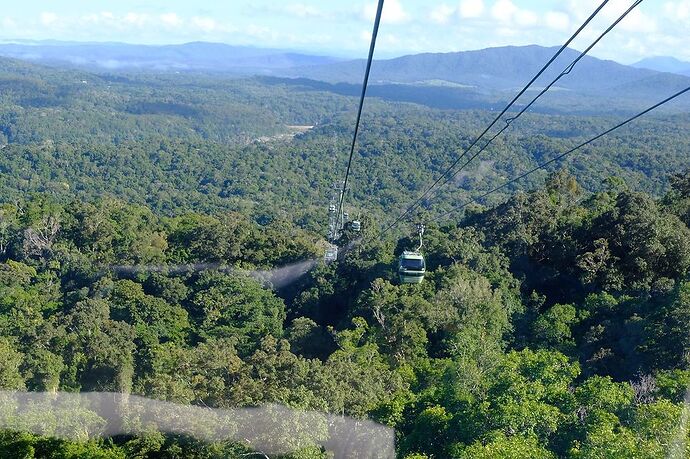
(565, 72)
(561, 156)
(416, 203)
(365, 83)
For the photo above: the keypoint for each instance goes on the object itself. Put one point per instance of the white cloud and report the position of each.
(96, 19)
(638, 22)
(508, 14)
(261, 32)
(390, 39)
(171, 19)
(526, 18)
(471, 8)
(557, 20)
(48, 18)
(135, 19)
(132, 20)
(503, 10)
(649, 29)
(304, 11)
(393, 12)
(653, 28)
(508, 32)
(580, 9)
(442, 13)
(677, 11)
(204, 23)
(90, 18)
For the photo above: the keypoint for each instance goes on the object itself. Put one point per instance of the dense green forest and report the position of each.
(141, 218)
(401, 151)
(213, 144)
(553, 325)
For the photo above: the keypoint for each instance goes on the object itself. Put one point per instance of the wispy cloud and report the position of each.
(393, 12)
(136, 19)
(678, 11)
(509, 14)
(411, 25)
(556, 20)
(304, 11)
(171, 19)
(204, 23)
(48, 18)
(442, 14)
(471, 8)
(8, 22)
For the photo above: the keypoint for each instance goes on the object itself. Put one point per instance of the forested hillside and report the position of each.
(402, 150)
(162, 235)
(462, 79)
(202, 142)
(552, 325)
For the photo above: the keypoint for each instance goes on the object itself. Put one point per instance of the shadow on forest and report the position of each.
(430, 96)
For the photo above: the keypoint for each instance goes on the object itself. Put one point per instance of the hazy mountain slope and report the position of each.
(489, 78)
(189, 56)
(488, 69)
(664, 64)
(474, 79)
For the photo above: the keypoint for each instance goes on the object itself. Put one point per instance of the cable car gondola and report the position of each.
(356, 225)
(331, 254)
(411, 267)
(411, 264)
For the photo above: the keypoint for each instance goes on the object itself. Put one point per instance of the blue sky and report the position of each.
(342, 27)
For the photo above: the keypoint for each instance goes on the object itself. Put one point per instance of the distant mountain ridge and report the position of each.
(664, 64)
(485, 78)
(194, 56)
(490, 77)
(493, 69)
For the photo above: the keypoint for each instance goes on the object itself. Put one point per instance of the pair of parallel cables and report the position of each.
(449, 173)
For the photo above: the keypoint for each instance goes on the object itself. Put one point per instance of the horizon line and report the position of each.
(306, 51)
